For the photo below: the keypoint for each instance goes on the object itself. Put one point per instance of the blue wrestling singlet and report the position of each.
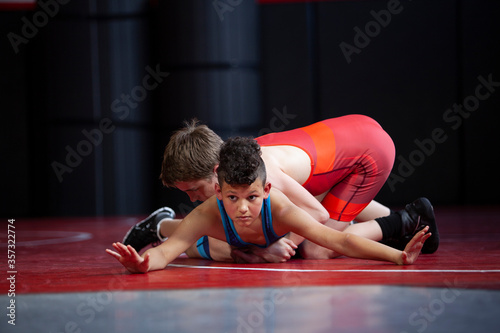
(203, 248)
(232, 236)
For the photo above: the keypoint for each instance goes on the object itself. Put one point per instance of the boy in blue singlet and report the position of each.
(247, 211)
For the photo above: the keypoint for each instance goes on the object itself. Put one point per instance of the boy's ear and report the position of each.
(267, 190)
(218, 191)
(215, 177)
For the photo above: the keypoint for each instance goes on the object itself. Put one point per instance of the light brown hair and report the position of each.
(191, 154)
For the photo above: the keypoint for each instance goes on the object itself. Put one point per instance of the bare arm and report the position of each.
(155, 258)
(289, 217)
(201, 221)
(297, 194)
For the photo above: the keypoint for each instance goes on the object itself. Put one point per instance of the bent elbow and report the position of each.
(323, 217)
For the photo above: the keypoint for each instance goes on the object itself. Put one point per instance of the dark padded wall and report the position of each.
(405, 64)
(480, 54)
(110, 80)
(89, 147)
(14, 179)
(287, 65)
(404, 76)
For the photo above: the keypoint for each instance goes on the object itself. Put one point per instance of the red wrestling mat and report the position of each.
(67, 255)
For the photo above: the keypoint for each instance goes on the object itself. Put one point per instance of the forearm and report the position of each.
(157, 259)
(311, 206)
(298, 195)
(297, 239)
(358, 247)
(320, 214)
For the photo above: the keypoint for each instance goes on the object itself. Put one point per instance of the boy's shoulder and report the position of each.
(276, 195)
(208, 209)
(279, 202)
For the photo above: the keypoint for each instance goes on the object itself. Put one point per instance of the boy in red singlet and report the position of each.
(350, 159)
(332, 169)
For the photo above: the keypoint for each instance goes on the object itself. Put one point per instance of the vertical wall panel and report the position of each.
(95, 56)
(14, 144)
(287, 68)
(213, 61)
(212, 53)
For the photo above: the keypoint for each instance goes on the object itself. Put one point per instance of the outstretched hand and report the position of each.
(412, 249)
(129, 258)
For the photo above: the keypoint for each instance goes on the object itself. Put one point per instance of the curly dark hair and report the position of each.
(240, 162)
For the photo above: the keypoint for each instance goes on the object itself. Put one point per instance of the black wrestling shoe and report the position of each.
(146, 232)
(416, 216)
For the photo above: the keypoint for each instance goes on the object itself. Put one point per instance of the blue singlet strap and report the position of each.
(203, 248)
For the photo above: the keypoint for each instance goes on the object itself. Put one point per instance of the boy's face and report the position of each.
(243, 203)
(198, 190)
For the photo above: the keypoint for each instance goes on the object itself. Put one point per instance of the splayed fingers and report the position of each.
(129, 258)
(413, 248)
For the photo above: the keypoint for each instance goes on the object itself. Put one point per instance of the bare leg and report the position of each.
(369, 229)
(372, 211)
